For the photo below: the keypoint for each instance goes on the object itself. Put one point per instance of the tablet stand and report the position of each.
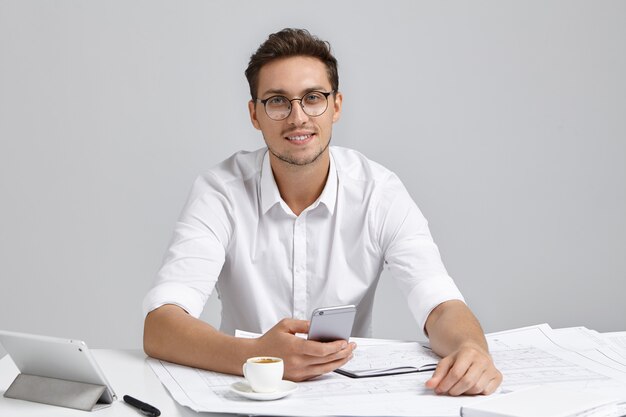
(52, 391)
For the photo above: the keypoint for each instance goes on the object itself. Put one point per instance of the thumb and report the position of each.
(294, 326)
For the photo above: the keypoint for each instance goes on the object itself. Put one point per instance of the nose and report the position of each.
(297, 116)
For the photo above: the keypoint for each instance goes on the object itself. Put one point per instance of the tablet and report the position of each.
(56, 358)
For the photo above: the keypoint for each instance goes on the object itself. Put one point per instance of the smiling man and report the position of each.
(298, 225)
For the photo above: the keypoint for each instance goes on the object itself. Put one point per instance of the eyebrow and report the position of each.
(284, 92)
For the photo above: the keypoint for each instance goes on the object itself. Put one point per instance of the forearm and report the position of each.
(452, 325)
(466, 366)
(173, 335)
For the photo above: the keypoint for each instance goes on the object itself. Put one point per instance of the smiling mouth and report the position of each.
(299, 138)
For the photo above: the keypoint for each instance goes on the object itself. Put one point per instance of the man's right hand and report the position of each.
(304, 359)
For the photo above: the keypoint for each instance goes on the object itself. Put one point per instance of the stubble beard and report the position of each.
(299, 162)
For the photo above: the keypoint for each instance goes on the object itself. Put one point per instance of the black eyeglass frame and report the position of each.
(324, 93)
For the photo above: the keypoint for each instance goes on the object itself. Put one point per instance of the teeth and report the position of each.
(303, 137)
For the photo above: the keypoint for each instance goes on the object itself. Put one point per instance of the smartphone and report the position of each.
(332, 323)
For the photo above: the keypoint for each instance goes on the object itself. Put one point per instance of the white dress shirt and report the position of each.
(236, 234)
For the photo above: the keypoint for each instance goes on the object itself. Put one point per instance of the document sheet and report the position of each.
(576, 359)
(331, 394)
(543, 401)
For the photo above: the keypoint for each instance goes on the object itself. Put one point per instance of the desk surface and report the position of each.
(127, 372)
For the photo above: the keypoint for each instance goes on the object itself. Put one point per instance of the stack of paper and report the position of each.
(575, 360)
(543, 401)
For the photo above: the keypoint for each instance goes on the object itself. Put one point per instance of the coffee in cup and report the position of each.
(264, 373)
(267, 360)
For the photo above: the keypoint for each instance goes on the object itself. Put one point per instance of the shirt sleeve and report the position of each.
(410, 254)
(194, 259)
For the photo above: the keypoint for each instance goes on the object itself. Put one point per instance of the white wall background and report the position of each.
(506, 121)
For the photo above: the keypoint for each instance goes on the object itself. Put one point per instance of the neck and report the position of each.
(300, 185)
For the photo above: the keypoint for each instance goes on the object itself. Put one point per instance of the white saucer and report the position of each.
(243, 388)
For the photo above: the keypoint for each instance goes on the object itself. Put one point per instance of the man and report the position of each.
(300, 225)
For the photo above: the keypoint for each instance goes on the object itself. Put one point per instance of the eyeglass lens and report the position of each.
(279, 107)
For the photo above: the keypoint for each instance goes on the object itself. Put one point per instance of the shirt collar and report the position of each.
(329, 193)
(270, 195)
(269, 190)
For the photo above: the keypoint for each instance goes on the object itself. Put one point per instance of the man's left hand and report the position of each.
(468, 370)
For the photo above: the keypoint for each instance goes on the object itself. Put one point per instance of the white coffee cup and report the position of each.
(264, 373)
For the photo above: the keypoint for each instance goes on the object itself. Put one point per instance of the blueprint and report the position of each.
(535, 355)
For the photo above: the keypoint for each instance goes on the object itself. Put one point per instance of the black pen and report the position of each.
(146, 409)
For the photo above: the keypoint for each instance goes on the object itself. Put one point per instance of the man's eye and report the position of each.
(313, 98)
(277, 101)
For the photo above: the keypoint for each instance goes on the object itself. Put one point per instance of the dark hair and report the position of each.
(286, 43)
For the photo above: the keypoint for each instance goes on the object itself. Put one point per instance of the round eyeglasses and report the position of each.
(313, 103)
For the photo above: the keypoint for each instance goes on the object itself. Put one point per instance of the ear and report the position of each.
(337, 106)
(253, 114)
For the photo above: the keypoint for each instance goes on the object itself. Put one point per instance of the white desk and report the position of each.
(127, 372)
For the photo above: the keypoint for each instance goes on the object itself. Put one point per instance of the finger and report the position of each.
(320, 369)
(440, 372)
(304, 366)
(454, 375)
(493, 385)
(343, 353)
(322, 349)
(469, 381)
(481, 384)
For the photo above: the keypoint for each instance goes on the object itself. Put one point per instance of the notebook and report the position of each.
(389, 359)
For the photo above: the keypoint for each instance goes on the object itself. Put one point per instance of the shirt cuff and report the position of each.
(427, 295)
(189, 299)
